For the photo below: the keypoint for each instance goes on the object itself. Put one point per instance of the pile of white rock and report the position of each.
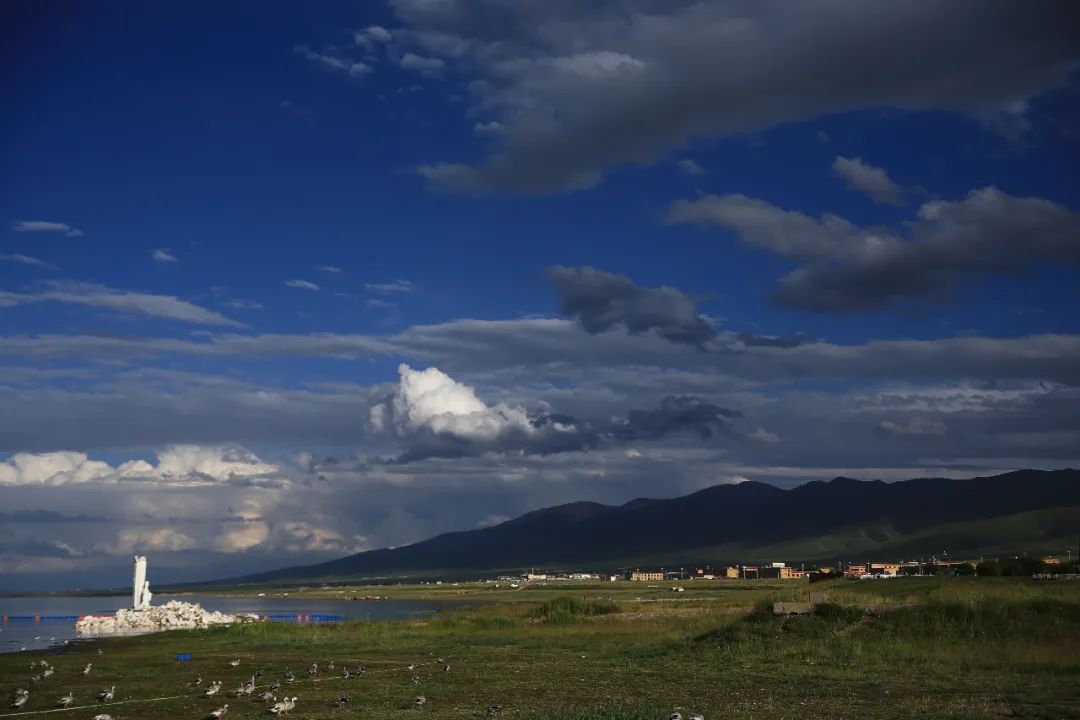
(173, 615)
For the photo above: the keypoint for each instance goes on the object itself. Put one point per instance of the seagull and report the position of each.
(65, 700)
(697, 716)
(103, 716)
(289, 675)
(410, 666)
(220, 711)
(342, 700)
(330, 665)
(212, 689)
(345, 674)
(314, 669)
(86, 670)
(258, 672)
(106, 695)
(440, 661)
(446, 668)
(47, 672)
(277, 709)
(267, 696)
(239, 691)
(249, 687)
(361, 668)
(419, 700)
(415, 679)
(196, 681)
(20, 700)
(275, 687)
(234, 663)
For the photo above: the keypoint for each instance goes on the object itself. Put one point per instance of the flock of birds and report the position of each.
(21, 695)
(275, 707)
(248, 689)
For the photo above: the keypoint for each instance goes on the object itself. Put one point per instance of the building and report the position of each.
(884, 568)
(646, 576)
(781, 573)
(729, 572)
(856, 570)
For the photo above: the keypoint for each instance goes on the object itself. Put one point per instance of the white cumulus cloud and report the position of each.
(430, 400)
(176, 464)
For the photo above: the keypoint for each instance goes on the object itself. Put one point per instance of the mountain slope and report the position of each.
(749, 521)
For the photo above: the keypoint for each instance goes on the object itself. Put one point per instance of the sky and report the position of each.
(281, 282)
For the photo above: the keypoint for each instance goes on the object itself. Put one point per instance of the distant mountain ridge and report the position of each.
(821, 520)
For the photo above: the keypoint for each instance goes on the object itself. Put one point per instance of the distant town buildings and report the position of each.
(770, 571)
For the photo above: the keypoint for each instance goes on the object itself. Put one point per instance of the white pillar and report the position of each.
(138, 583)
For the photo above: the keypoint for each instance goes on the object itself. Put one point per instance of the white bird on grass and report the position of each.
(86, 670)
(267, 696)
(20, 700)
(212, 689)
(234, 663)
(220, 711)
(65, 700)
(419, 700)
(107, 695)
(103, 716)
(283, 706)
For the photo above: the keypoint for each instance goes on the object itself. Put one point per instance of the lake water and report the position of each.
(18, 634)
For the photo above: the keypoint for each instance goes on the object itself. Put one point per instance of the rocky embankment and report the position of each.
(173, 615)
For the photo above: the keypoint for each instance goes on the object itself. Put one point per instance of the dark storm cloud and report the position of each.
(601, 301)
(857, 269)
(553, 433)
(676, 414)
(45, 517)
(134, 410)
(580, 87)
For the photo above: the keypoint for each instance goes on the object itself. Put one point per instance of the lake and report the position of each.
(17, 634)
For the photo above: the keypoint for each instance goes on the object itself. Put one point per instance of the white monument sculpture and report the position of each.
(140, 586)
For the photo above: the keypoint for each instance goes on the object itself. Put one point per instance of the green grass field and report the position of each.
(907, 648)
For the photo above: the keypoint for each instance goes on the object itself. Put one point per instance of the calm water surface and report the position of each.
(16, 635)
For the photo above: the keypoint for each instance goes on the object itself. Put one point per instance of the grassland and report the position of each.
(909, 648)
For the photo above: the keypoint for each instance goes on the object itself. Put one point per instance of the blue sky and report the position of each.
(203, 204)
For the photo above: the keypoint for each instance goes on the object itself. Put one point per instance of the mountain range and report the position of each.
(839, 519)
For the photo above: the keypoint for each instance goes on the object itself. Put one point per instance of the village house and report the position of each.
(645, 576)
